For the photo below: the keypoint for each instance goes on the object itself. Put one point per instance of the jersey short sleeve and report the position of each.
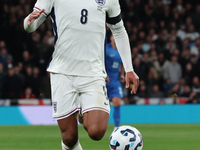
(113, 13)
(47, 5)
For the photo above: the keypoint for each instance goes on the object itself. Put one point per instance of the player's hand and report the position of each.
(132, 77)
(34, 15)
(108, 79)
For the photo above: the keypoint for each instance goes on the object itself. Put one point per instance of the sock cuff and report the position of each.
(66, 147)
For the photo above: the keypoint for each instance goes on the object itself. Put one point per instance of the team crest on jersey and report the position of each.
(54, 104)
(100, 2)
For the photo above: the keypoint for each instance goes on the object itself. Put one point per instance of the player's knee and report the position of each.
(96, 133)
(69, 139)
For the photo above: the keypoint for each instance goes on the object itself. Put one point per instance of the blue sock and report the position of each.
(116, 116)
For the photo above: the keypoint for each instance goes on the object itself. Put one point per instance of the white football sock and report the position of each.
(76, 147)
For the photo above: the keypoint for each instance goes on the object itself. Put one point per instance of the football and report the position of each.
(126, 138)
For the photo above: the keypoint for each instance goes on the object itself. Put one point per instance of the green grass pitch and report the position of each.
(155, 136)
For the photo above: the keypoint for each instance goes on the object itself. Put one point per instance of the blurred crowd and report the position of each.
(165, 44)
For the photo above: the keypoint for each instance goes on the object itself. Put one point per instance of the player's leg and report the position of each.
(69, 132)
(96, 122)
(116, 113)
(65, 104)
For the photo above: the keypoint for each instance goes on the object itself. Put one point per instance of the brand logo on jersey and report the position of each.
(100, 2)
(54, 104)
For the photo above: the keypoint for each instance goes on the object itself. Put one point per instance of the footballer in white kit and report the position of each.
(77, 65)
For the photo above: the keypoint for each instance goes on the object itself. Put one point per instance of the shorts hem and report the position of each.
(66, 115)
(95, 108)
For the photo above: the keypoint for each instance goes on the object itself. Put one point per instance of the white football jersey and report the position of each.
(79, 28)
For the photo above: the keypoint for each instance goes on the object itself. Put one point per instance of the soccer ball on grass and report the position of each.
(126, 138)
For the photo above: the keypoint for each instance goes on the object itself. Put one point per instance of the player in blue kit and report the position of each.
(115, 73)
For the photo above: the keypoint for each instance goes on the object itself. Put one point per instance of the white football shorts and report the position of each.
(72, 93)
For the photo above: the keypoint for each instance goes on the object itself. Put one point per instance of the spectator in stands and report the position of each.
(2, 77)
(160, 64)
(167, 86)
(175, 90)
(27, 59)
(156, 93)
(193, 99)
(4, 55)
(153, 79)
(173, 70)
(186, 92)
(181, 33)
(139, 68)
(45, 87)
(189, 74)
(27, 94)
(29, 77)
(12, 85)
(192, 34)
(36, 81)
(196, 85)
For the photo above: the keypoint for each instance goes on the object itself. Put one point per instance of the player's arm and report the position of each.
(34, 20)
(41, 11)
(115, 23)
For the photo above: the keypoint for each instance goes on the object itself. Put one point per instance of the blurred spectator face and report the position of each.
(159, 3)
(36, 71)
(188, 6)
(175, 88)
(141, 35)
(182, 81)
(142, 88)
(26, 55)
(161, 57)
(28, 91)
(176, 52)
(186, 89)
(195, 80)
(164, 32)
(145, 57)
(191, 28)
(182, 27)
(137, 62)
(1, 67)
(20, 65)
(36, 36)
(140, 25)
(186, 52)
(135, 29)
(156, 88)
(173, 25)
(11, 72)
(174, 59)
(28, 70)
(142, 82)
(197, 41)
(153, 46)
(188, 67)
(135, 51)
(17, 69)
(168, 81)
(198, 9)
(193, 59)
(162, 24)
(179, 2)
(154, 54)
(188, 20)
(3, 52)
(2, 44)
